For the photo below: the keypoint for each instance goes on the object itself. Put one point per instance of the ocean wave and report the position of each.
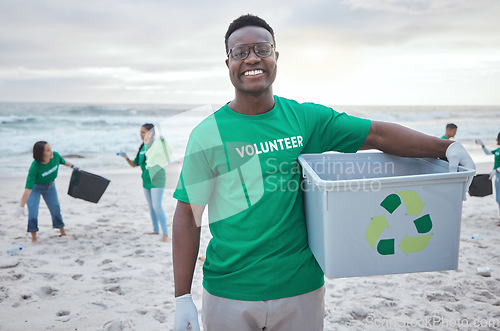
(98, 132)
(13, 119)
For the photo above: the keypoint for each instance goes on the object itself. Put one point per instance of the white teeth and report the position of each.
(253, 72)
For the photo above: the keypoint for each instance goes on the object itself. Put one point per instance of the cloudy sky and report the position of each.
(345, 52)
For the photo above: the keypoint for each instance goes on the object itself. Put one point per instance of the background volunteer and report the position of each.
(41, 182)
(153, 186)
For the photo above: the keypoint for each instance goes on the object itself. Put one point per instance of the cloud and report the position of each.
(168, 50)
(418, 7)
(376, 22)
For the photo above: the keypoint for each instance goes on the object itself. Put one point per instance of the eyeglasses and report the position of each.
(241, 52)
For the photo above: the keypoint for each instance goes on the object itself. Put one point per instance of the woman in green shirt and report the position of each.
(153, 185)
(496, 166)
(40, 182)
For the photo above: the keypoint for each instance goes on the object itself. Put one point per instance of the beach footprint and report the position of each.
(119, 325)
(3, 293)
(63, 315)
(160, 316)
(114, 289)
(46, 291)
(99, 305)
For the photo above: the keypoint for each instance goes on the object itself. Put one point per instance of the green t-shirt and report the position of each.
(40, 173)
(444, 137)
(153, 177)
(245, 168)
(496, 152)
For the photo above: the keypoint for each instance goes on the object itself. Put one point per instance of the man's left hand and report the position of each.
(457, 155)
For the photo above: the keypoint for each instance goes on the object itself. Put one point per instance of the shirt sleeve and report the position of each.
(61, 160)
(487, 151)
(30, 180)
(334, 131)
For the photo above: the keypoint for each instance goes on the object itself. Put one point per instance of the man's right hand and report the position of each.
(185, 314)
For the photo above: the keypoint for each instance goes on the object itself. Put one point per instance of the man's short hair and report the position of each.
(247, 20)
(450, 126)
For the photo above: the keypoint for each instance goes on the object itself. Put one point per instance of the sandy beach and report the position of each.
(108, 275)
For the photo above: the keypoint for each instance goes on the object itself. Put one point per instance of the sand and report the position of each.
(108, 275)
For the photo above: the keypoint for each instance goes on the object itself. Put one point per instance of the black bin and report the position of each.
(87, 186)
(481, 186)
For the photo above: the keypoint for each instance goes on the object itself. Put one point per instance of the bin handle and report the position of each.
(305, 176)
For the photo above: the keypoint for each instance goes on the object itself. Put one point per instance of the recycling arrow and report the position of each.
(412, 201)
(386, 247)
(391, 202)
(414, 244)
(375, 229)
(378, 224)
(423, 224)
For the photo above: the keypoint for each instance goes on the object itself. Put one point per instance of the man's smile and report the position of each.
(253, 72)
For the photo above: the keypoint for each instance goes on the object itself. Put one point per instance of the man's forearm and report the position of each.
(185, 246)
(398, 140)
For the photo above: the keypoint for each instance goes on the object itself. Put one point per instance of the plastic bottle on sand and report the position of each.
(14, 250)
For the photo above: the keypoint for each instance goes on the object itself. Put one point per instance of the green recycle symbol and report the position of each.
(423, 224)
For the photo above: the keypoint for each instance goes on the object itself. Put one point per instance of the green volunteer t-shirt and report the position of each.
(40, 173)
(153, 177)
(496, 152)
(245, 168)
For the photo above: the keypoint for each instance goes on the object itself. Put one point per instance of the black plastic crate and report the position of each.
(87, 186)
(481, 186)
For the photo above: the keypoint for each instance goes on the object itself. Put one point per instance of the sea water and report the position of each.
(91, 135)
(88, 135)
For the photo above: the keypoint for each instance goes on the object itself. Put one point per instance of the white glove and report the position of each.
(185, 314)
(457, 155)
(123, 154)
(479, 142)
(18, 213)
(493, 173)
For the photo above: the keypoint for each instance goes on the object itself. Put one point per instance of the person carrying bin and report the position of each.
(241, 162)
